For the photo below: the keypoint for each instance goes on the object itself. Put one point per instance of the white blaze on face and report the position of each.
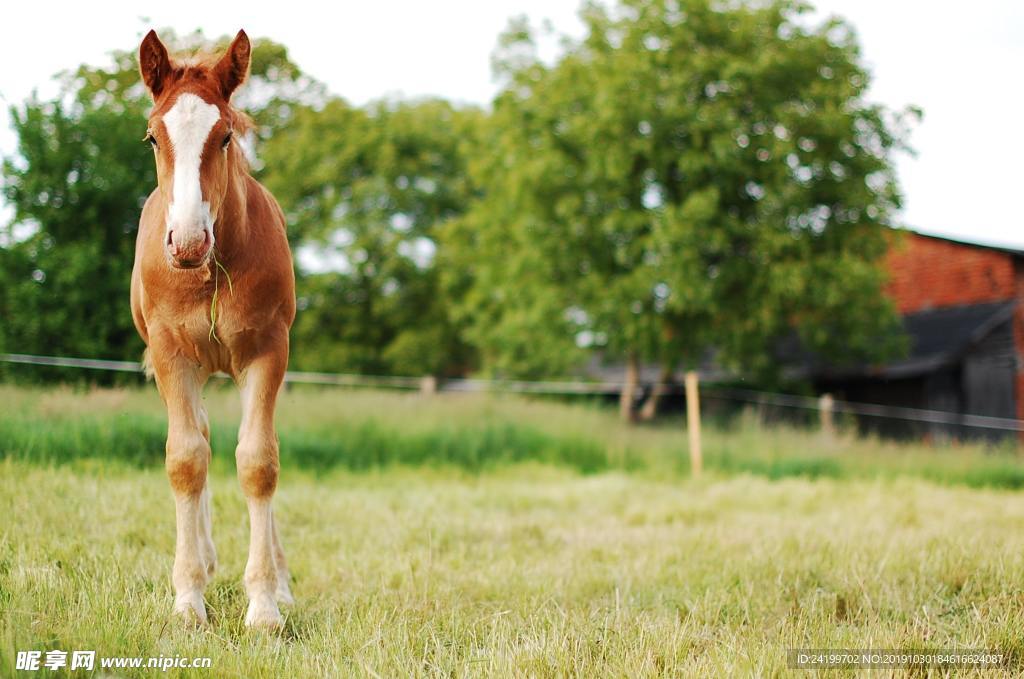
(188, 125)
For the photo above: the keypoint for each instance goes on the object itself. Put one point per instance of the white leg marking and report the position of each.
(261, 571)
(190, 572)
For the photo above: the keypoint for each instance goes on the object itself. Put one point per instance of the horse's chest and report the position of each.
(217, 330)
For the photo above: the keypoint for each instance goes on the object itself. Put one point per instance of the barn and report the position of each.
(962, 306)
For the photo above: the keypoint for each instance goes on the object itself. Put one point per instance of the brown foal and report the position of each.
(213, 291)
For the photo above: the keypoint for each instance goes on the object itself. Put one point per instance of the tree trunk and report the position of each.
(629, 388)
(650, 407)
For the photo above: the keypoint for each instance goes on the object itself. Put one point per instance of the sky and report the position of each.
(960, 62)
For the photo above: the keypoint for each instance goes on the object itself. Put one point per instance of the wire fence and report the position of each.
(578, 387)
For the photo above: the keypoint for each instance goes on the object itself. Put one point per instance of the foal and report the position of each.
(213, 290)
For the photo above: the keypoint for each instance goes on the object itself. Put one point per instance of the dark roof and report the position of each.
(938, 338)
(1017, 252)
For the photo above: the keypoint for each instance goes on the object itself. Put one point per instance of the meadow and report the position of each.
(474, 535)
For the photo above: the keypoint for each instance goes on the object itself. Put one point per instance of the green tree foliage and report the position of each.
(690, 175)
(366, 190)
(77, 184)
(76, 187)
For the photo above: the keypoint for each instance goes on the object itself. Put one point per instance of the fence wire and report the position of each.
(571, 387)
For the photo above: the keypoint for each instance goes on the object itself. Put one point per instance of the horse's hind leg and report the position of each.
(187, 461)
(206, 547)
(284, 589)
(207, 550)
(257, 462)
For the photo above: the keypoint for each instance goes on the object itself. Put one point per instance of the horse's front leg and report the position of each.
(187, 461)
(266, 575)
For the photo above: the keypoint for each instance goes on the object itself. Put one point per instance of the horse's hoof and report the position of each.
(190, 608)
(263, 614)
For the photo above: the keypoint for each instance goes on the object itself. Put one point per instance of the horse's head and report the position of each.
(191, 129)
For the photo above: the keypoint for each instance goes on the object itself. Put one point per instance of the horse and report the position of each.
(213, 290)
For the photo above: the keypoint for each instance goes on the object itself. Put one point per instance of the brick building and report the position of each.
(963, 310)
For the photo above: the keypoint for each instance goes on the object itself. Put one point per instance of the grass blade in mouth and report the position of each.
(216, 295)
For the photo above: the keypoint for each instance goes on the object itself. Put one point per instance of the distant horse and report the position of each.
(213, 290)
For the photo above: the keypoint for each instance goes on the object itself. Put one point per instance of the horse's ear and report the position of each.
(154, 64)
(233, 67)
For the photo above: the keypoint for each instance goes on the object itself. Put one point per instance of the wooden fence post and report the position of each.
(693, 422)
(428, 385)
(826, 407)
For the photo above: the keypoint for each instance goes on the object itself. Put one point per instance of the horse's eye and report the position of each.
(150, 139)
(227, 140)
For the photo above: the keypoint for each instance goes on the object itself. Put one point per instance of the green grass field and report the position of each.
(474, 535)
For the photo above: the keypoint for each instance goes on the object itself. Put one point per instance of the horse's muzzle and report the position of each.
(188, 250)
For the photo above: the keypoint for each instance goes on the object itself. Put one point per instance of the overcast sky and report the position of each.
(960, 62)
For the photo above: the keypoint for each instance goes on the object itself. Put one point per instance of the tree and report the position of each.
(690, 176)
(77, 184)
(367, 190)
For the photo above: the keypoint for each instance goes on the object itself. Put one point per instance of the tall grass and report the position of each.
(137, 439)
(358, 430)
